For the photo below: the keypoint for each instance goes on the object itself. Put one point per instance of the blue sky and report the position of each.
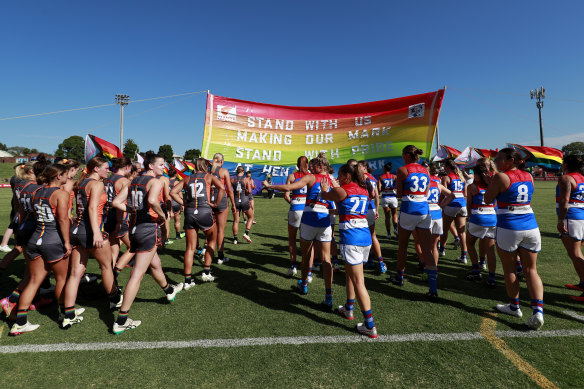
(60, 55)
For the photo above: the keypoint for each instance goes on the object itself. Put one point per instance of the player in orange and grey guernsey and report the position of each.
(88, 237)
(176, 212)
(199, 216)
(241, 189)
(221, 212)
(114, 217)
(250, 196)
(143, 203)
(49, 246)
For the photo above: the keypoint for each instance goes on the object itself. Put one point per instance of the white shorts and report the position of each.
(455, 211)
(354, 255)
(294, 218)
(389, 202)
(575, 228)
(371, 217)
(320, 234)
(333, 218)
(411, 222)
(481, 232)
(436, 227)
(511, 240)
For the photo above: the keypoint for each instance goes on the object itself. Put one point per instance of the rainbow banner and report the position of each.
(268, 139)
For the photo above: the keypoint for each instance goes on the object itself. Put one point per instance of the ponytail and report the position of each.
(356, 174)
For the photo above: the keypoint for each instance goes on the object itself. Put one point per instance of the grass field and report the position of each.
(272, 333)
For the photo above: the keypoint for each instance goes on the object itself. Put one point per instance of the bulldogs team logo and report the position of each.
(226, 114)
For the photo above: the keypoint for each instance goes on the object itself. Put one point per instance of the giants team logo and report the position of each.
(226, 114)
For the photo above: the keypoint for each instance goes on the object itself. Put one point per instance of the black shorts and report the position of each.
(83, 236)
(222, 205)
(199, 219)
(49, 247)
(24, 232)
(242, 203)
(175, 207)
(124, 228)
(111, 223)
(13, 220)
(145, 237)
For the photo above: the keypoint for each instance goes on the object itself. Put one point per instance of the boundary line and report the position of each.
(289, 340)
(488, 332)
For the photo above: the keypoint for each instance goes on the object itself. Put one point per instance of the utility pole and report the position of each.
(539, 95)
(122, 100)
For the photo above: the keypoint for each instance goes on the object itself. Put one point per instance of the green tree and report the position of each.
(34, 151)
(192, 154)
(130, 149)
(574, 148)
(26, 151)
(72, 147)
(165, 151)
(3, 147)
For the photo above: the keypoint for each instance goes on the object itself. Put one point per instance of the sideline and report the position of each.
(488, 332)
(292, 340)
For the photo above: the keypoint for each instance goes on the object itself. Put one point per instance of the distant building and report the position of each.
(21, 158)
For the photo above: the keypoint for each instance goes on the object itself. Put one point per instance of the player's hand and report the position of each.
(324, 185)
(98, 240)
(266, 184)
(68, 249)
(562, 227)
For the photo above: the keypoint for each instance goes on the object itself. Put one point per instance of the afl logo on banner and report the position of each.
(226, 114)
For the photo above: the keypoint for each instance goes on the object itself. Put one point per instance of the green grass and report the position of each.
(252, 297)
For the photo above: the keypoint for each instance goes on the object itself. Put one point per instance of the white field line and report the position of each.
(574, 315)
(296, 340)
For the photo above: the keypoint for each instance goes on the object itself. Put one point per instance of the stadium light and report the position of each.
(539, 95)
(122, 100)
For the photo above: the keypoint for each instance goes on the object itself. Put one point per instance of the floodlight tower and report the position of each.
(539, 95)
(122, 100)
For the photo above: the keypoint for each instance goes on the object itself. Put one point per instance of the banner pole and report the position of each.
(210, 122)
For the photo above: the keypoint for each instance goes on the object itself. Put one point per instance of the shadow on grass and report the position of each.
(247, 284)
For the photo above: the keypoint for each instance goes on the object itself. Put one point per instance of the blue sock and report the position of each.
(514, 304)
(349, 304)
(335, 260)
(380, 259)
(537, 306)
(491, 276)
(482, 261)
(432, 280)
(328, 294)
(400, 274)
(476, 269)
(463, 254)
(368, 316)
(309, 272)
(518, 267)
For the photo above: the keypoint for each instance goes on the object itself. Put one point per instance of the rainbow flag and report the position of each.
(546, 157)
(95, 146)
(487, 153)
(140, 159)
(445, 152)
(468, 158)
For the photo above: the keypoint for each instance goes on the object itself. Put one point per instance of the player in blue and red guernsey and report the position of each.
(355, 240)
(517, 232)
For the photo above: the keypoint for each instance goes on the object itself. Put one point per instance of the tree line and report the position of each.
(74, 148)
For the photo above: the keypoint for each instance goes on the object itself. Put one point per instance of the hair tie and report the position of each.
(85, 170)
(22, 166)
(64, 160)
